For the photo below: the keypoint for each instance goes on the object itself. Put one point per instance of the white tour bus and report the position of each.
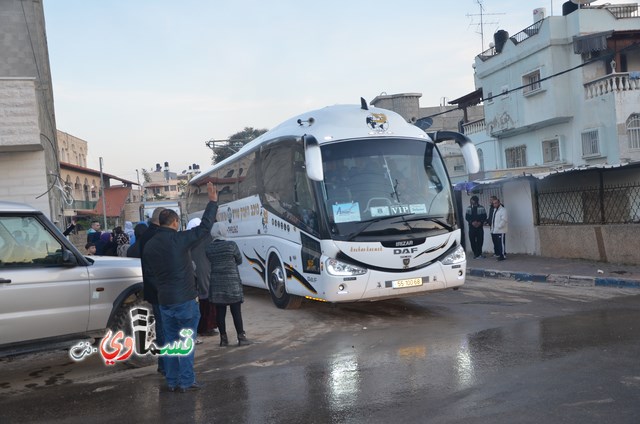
(342, 204)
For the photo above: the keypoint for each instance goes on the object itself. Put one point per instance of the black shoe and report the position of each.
(500, 258)
(224, 341)
(171, 389)
(192, 388)
(242, 339)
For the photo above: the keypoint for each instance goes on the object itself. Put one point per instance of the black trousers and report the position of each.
(476, 237)
(499, 246)
(236, 313)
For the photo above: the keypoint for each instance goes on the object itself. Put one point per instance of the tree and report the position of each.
(146, 176)
(235, 143)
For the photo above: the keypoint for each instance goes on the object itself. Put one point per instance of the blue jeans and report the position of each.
(179, 369)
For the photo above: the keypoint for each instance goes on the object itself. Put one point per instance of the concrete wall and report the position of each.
(605, 243)
(23, 179)
(25, 76)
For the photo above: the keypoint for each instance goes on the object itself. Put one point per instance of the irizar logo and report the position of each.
(404, 243)
(405, 251)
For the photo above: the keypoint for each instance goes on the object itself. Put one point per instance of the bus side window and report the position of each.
(247, 182)
(277, 177)
(305, 206)
(286, 187)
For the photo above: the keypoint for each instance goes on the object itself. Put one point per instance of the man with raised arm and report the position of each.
(167, 258)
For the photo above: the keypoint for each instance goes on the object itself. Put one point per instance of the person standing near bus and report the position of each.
(149, 290)
(499, 228)
(207, 325)
(226, 286)
(168, 260)
(475, 216)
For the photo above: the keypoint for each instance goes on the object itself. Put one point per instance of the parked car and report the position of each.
(50, 292)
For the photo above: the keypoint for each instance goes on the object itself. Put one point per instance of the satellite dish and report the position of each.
(424, 123)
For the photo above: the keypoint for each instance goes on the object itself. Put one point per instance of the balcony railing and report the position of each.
(82, 204)
(487, 54)
(621, 11)
(612, 83)
(474, 127)
(528, 32)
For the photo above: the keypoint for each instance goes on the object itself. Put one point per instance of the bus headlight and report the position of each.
(455, 257)
(336, 267)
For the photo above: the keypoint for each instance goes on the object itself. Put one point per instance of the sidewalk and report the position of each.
(539, 269)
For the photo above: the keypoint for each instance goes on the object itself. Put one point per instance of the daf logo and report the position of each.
(405, 262)
(405, 251)
(404, 243)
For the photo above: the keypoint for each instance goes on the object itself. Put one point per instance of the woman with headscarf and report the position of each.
(106, 246)
(129, 230)
(207, 324)
(225, 288)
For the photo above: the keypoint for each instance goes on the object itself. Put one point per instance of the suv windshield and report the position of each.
(385, 186)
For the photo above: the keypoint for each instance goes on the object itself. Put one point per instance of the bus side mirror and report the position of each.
(470, 155)
(469, 152)
(312, 158)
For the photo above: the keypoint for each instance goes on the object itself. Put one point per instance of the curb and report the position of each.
(571, 280)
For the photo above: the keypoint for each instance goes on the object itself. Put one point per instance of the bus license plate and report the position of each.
(410, 282)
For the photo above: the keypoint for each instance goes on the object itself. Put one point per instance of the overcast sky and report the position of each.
(149, 81)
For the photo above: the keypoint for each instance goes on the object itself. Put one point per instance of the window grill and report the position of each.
(633, 129)
(516, 157)
(531, 82)
(613, 204)
(551, 150)
(590, 146)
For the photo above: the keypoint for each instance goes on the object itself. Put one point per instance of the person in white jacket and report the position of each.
(499, 228)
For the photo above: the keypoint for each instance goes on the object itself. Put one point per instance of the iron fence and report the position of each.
(608, 204)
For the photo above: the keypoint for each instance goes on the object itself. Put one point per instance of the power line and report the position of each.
(504, 93)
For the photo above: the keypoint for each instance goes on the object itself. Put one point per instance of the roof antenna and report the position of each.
(363, 104)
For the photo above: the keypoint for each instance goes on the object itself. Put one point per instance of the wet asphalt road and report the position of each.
(492, 352)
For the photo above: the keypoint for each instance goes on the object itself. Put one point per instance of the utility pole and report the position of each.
(104, 200)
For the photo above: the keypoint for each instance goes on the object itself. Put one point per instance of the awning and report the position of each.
(469, 186)
(591, 42)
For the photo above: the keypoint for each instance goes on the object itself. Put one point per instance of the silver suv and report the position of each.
(49, 291)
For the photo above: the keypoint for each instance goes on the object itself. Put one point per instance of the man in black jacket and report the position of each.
(149, 291)
(476, 215)
(168, 261)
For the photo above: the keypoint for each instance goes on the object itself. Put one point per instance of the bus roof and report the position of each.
(333, 123)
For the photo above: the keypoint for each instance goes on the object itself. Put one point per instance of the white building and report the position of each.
(560, 142)
(564, 92)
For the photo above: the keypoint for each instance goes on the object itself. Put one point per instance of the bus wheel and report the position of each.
(279, 295)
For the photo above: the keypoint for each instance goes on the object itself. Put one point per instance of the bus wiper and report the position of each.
(438, 221)
(355, 234)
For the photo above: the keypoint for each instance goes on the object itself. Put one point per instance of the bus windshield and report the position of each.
(390, 186)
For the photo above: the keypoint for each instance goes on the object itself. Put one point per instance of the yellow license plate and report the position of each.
(410, 282)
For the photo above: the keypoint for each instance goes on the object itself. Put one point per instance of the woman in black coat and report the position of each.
(225, 285)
